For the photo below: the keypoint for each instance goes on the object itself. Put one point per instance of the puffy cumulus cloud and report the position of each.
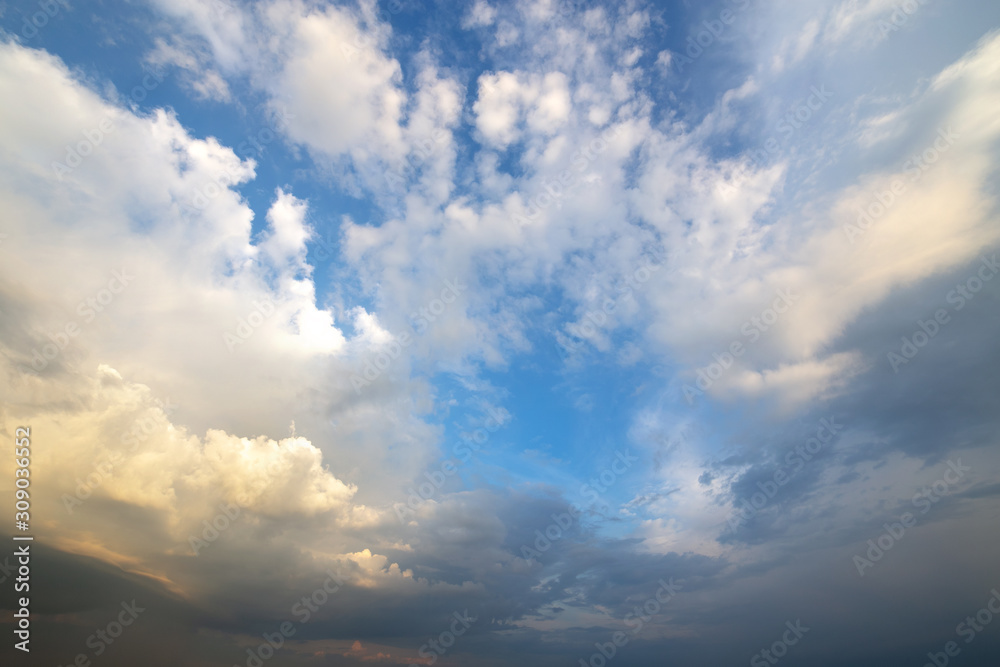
(280, 470)
(168, 288)
(509, 99)
(117, 443)
(168, 283)
(572, 106)
(284, 245)
(327, 71)
(125, 484)
(377, 571)
(286, 238)
(426, 165)
(167, 278)
(85, 144)
(498, 107)
(343, 92)
(480, 15)
(556, 104)
(740, 246)
(515, 226)
(224, 26)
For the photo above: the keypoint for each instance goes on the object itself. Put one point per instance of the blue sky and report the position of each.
(611, 273)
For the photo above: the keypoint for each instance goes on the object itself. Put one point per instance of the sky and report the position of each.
(502, 332)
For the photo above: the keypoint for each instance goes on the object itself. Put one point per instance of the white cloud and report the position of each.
(228, 327)
(343, 92)
(847, 18)
(507, 100)
(288, 231)
(152, 200)
(480, 15)
(737, 262)
(794, 49)
(223, 25)
(206, 82)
